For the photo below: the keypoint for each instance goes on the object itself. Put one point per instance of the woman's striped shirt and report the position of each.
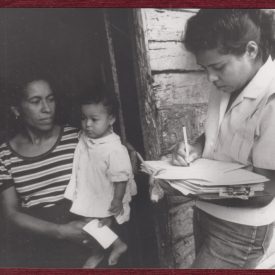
(39, 180)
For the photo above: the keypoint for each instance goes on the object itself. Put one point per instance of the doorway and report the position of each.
(66, 44)
(72, 45)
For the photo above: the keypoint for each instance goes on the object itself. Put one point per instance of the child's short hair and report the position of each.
(100, 94)
(229, 30)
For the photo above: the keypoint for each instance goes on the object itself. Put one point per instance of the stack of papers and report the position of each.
(208, 178)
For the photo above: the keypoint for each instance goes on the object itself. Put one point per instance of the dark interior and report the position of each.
(71, 45)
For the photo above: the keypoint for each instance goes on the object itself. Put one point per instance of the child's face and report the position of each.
(96, 121)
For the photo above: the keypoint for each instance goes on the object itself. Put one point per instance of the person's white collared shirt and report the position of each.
(245, 134)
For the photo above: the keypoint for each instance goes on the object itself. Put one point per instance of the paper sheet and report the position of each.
(205, 172)
(199, 164)
(104, 235)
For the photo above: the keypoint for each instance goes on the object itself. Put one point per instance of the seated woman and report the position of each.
(35, 168)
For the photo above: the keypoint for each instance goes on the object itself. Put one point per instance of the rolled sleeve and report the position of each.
(120, 168)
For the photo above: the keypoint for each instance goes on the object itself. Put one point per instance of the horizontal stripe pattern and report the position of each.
(41, 180)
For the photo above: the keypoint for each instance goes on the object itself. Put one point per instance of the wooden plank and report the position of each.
(189, 88)
(163, 25)
(143, 81)
(171, 55)
(181, 224)
(114, 73)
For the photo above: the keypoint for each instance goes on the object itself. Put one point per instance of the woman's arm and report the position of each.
(10, 205)
(254, 202)
(269, 186)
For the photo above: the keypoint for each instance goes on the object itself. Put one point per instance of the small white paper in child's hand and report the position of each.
(104, 235)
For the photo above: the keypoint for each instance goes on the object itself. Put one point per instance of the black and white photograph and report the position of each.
(182, 100)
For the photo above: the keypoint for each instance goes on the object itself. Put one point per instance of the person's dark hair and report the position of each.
(229, 30)
(13, 91)
(15, 88)
(97, 94)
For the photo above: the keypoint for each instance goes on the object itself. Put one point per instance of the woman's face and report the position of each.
(227, 72)
(37, 107)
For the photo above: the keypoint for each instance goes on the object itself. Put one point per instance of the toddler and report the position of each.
(102, 182)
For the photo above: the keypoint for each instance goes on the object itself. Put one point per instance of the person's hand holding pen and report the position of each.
(179, 156)
(184, 153)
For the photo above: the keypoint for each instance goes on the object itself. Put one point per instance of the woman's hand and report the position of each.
(73, 231)
(179, 154)
(13, 214)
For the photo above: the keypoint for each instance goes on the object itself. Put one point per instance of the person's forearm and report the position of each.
(17, 216)
(119, 190)
(35, 225)
(255, 202)
(269, 187)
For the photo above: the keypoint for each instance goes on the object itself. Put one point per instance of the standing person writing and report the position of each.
(233, 46)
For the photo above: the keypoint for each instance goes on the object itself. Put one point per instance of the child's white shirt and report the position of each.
(98, 164)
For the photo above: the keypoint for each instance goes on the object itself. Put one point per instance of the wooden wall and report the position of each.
(173, 91)
(179, 85)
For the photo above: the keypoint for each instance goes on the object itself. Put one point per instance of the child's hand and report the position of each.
(105, 221)
(116, 207)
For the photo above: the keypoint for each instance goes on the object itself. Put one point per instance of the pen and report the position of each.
(186, 144)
